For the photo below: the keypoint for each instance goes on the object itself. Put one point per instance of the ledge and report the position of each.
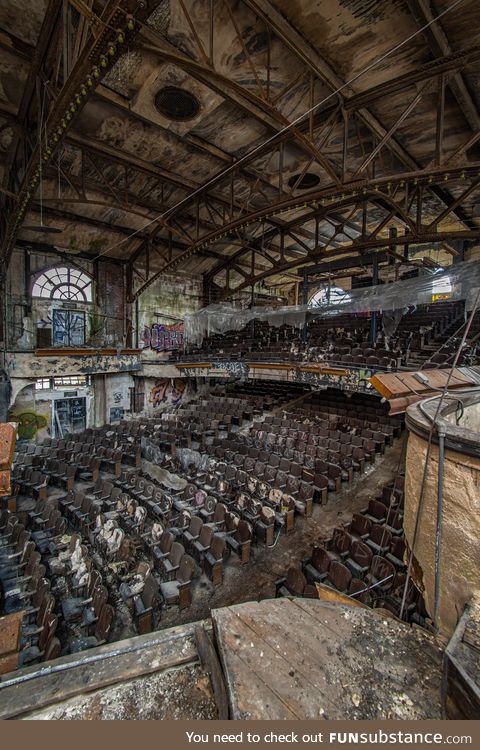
(420, 416)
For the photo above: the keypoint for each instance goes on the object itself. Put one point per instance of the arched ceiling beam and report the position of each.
(360, 246)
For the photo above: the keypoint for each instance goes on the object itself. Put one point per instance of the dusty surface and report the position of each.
(306, 659)
(182, 693)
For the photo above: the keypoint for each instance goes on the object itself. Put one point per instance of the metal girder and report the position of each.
(62, 74)
(439, 44)
(422, 224)
(357, 246)
(320, 202)
(343, 264)
(383, 139)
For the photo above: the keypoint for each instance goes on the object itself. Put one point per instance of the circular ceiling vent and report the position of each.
(307, 182)
(176, 103)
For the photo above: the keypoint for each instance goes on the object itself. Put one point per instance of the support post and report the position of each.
(374, 321)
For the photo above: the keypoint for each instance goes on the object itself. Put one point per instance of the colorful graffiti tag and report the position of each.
(167, 391)
(163, 338)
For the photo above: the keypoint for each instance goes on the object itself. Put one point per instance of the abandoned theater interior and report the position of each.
(240, 359)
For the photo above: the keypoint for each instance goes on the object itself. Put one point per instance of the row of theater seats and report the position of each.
(94, 537)
(343, 339)
(364, 559)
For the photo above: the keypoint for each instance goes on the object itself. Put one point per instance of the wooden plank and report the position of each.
(394, 385)
(326, 594)
(209, 660)
(249, 696)
(306, 658)
(97, 668)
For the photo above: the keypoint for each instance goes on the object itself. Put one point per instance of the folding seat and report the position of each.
(381, 574)
(213, 560)
(334, 475)
(241, 478)
(39, 485)
(359, 559)
(74, 607)
(200, 546)
(47, 647)
(339, 576)
(396, 553)
(270, 474)
(54, 529)
(67, 476)
(102, 631)
(274, 460)
(162, 550)
(293, 584)
(43, 605)
(193, 531)
(238, 536)
(359, 527)
(259, 469)
(304, 499)
(376, 512)
(178, 590)
(396, 594)
(216, 516)
(378, 439)
(11, 554)
(367, 446)
(394, 522)
(380, 539)
(230, 473)
(340, 544)
(292, 486)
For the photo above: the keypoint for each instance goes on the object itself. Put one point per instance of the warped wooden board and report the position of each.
(395, 384)
(307, 659)
(45, 684)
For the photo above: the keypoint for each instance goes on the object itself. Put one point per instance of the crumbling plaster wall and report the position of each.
(460, 560)
(34, 410)
(106, 317)
(175, 295)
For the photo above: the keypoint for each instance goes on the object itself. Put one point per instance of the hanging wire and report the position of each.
(238, 163)
(441, 397)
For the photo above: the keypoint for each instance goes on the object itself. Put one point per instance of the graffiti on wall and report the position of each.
(28, 423)
(167, 391)
(163, 338)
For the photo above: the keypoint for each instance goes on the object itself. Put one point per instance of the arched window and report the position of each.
(334, 295)
(63, 283)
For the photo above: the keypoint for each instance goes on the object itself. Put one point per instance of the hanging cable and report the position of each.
(441, 397)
